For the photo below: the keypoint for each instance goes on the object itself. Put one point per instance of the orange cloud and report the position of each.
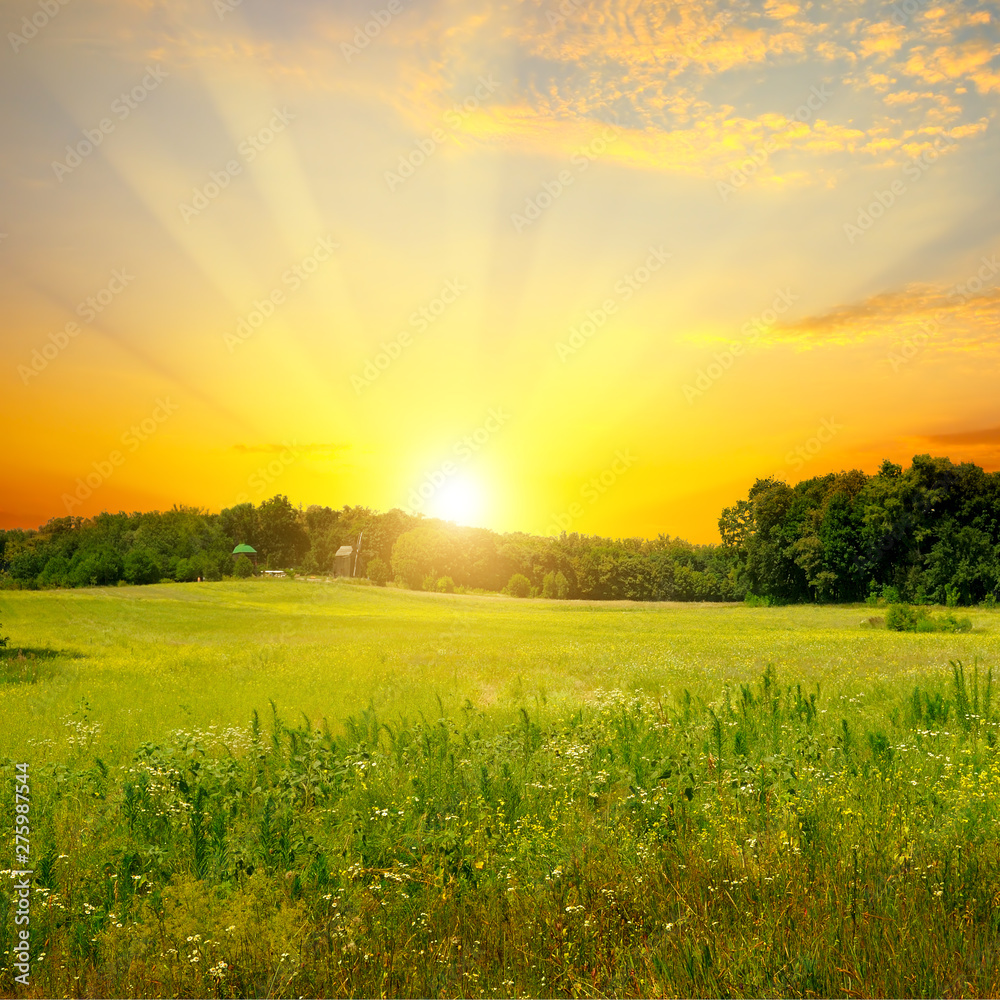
(962, 319)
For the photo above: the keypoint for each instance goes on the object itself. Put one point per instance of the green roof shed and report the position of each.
(245, 550)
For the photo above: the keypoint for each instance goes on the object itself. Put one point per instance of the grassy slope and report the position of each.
(736, 845)
(148, 659)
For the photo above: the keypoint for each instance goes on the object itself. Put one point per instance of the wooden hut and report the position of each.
(342, 562)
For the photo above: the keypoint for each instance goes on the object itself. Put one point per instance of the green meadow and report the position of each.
(294, 788)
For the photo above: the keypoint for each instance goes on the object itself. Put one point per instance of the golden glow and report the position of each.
(460, 500)
(337, 263)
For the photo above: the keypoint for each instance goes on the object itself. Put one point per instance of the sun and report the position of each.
(459, 500)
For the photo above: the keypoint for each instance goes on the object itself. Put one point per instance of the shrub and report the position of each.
(184, 571)
(446, 585)
(518, 586)
(243, 568)
(378, 572)
(952, 623)
(901, 618)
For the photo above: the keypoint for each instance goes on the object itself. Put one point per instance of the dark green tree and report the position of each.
(141, 567)
(283, 538)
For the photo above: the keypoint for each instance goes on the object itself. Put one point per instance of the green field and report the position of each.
(486, 796)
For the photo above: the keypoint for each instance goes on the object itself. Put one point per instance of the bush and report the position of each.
(555, 585)
(446, 585)
(952, 623)
(378, 572)
(184, 571)
(243, 568)
(901, 618)
(518, 586)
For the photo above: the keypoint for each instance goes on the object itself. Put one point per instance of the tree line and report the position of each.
(927, 534)
(187, 544)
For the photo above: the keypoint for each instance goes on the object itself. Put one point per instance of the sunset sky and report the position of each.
(589, 264)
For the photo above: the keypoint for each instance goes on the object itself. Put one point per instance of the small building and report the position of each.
(245, 550)
(342, 561)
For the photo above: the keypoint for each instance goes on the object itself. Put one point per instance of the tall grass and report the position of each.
(760, 844)
(281, 791)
